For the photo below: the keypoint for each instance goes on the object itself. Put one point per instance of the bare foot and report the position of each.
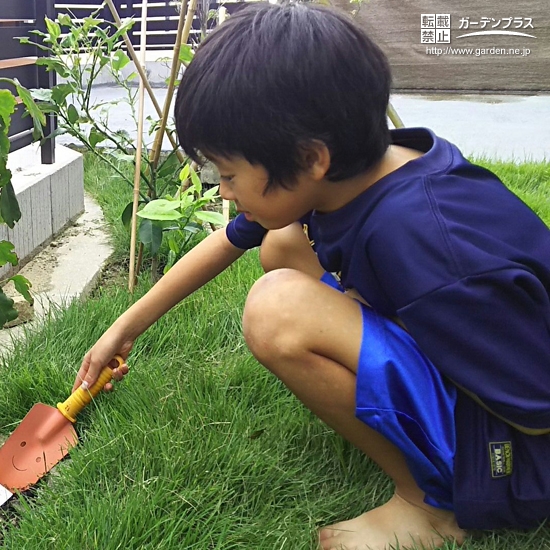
(396, 524)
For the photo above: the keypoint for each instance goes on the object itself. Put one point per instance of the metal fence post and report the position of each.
(46, 8)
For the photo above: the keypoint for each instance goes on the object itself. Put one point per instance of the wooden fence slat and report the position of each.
(17, 62)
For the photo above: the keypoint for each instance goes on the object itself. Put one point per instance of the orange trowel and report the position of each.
(43, 438)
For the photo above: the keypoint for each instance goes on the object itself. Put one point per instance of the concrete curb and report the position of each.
(67, 269)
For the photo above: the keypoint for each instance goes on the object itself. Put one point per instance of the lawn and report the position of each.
(200, 447)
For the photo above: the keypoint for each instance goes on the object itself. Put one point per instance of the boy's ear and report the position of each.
(316, 159)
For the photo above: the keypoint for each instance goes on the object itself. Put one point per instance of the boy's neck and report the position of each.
(335, 196)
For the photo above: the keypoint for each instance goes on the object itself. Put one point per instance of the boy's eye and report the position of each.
(226, 178)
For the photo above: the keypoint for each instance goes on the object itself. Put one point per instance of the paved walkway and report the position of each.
(65, 270)
(500, 127)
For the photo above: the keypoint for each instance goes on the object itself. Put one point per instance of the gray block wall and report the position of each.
(49, 195)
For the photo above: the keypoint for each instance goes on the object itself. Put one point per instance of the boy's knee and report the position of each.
(271, 311)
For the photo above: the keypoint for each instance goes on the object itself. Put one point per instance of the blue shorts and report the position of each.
(401, 395)
(464, 458)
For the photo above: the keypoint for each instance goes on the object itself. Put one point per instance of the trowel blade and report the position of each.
(5, 495)
(40, 441)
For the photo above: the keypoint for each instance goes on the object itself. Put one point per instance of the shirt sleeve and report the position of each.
(490, 334)
(244, 234)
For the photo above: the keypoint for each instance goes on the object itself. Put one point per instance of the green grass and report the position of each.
(112, 194)
(530, 181)
(200, 447)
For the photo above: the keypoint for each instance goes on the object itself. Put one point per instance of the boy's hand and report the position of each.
(98, 357)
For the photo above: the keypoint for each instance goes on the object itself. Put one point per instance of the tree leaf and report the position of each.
(38, 117)
(60, 93)
(210, 217)
(7, 107)
(41, 94)
(196, 181)
(193, 228)
(65, 19)
(96, 137)
(5, 173)
(7, 311)
(150, 235)
(172, 244)
(184, 174)
(119, 155)
(72, 114)
(125, 26)
(22, 285)
(9, 207)
(168, 167)
(171, 261)
(91, 22)
(54, 29)
(54, 65)
(57, 132)
(211, 193)
(168, 225)
(161, 210)
(126, 216)
(7, 253)
(119, 60)
(186, 54)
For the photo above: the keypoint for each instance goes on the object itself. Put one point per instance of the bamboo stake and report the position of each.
(142, 75)
(137, 173)
(222, 14)
(394, 117)
(184, 28)
(182, 35)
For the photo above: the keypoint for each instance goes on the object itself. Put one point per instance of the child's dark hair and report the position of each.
(272, 79)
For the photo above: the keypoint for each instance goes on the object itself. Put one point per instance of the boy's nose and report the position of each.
(225, 191)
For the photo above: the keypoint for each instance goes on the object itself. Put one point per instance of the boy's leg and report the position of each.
(310, 337)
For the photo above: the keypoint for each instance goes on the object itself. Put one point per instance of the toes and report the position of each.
(327, 543)
(329, 532)
(329, 539)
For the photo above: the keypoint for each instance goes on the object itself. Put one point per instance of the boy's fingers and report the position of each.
(91, 377)
(120, 372)
(80, 376)
(118, 375)
(86, 378)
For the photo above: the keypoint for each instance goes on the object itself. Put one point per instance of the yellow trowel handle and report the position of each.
(80, 398)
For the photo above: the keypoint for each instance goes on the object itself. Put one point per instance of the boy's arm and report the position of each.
(201, 264)
(206, 260)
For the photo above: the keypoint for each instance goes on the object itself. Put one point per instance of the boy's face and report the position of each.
(245, 183)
